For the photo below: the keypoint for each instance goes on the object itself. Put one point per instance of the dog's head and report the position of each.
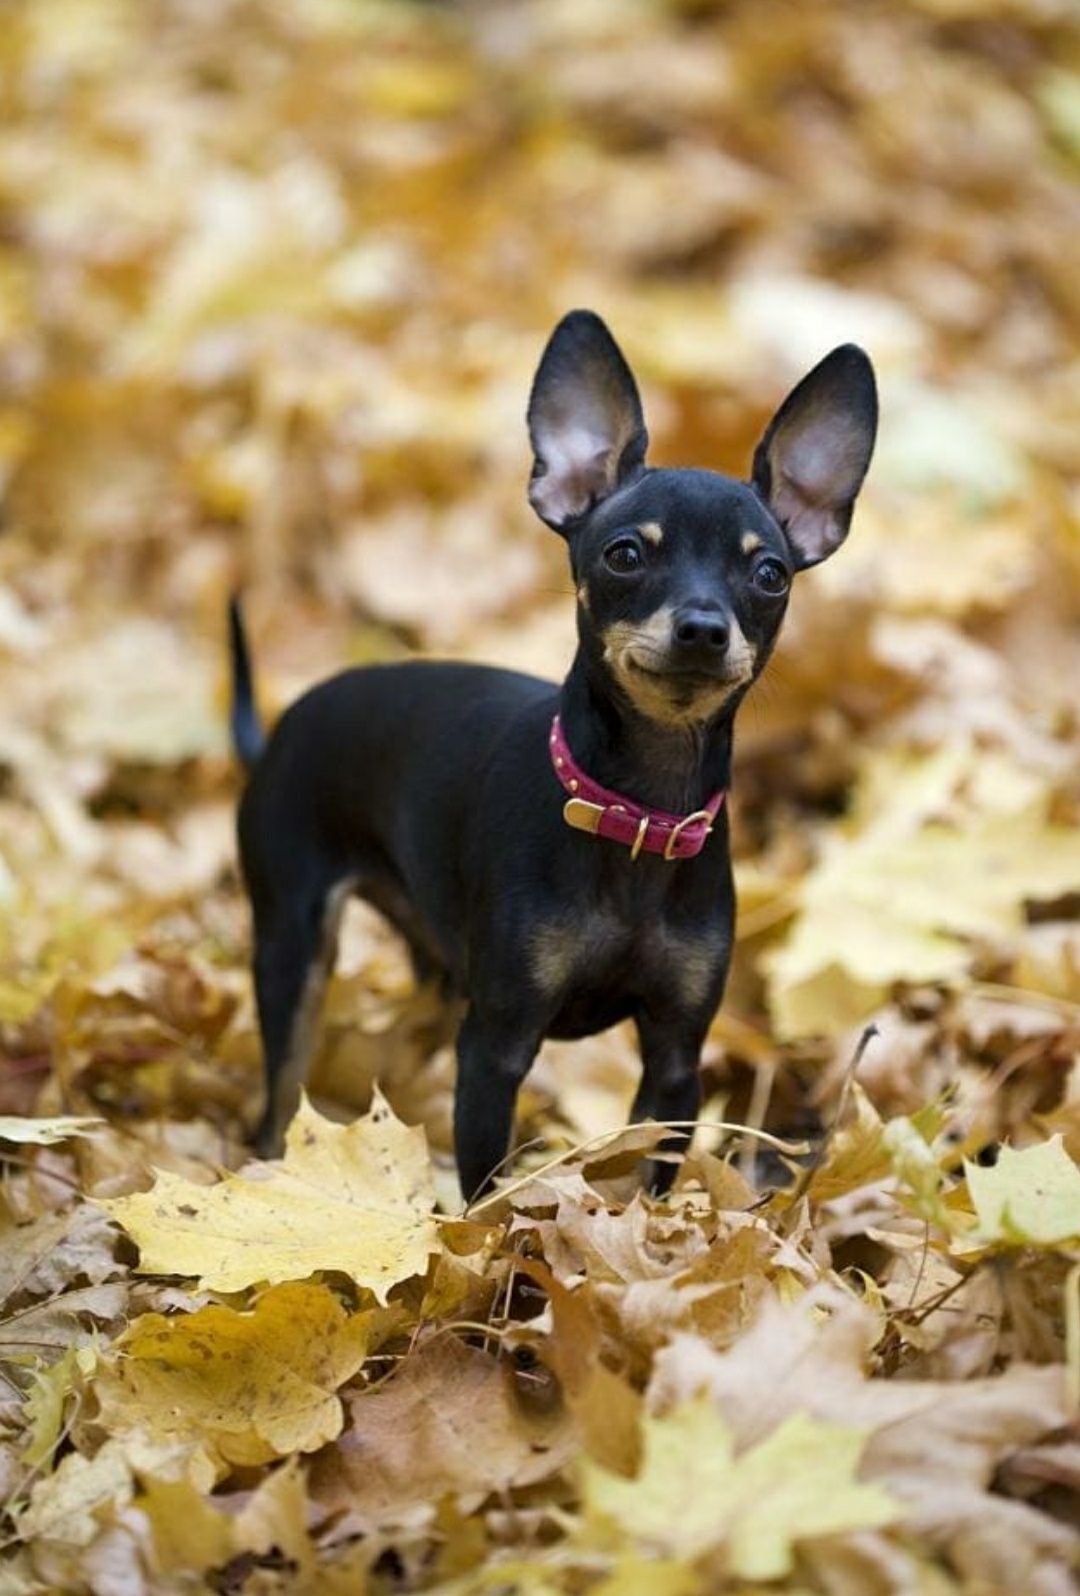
(683, 575)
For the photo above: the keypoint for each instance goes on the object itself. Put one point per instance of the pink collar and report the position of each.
(591, 807)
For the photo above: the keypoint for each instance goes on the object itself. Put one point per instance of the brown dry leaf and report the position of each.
(936, 1446)
(452, 1421)
(276, 1515)
(56, 1251)
(48, 1328)
(605, 1405)
(857, 1154)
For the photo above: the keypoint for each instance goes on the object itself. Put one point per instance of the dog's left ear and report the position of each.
(585, 421)
(813, 457)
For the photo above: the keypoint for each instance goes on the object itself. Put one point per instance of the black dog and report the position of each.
(465, 803)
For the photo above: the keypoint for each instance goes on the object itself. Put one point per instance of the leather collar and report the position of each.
(597, 809)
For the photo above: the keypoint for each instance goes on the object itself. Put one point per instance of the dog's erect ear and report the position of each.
(585, 421)
(811, 461)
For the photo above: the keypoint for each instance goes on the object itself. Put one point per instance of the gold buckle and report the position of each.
(677, 830)
(581, 815)
(643, 826)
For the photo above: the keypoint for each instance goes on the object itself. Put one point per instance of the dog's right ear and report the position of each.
(811, 462)
(585, 422)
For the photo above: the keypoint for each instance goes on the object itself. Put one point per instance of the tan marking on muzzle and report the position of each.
(635, 649)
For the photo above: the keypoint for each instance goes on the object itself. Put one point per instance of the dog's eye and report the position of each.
(771, 578)
(624, 557)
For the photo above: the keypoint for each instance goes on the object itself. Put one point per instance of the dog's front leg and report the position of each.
(495, 1051)
(670, 1085)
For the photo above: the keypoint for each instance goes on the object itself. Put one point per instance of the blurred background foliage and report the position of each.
(273, 280)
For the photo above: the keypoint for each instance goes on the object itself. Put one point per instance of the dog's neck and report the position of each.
(677, 768)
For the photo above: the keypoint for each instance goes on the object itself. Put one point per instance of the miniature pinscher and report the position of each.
(558, 855)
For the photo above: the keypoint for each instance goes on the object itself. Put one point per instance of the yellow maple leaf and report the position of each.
(797, 1483)
(1029, 1198)
(190, 1534)
(357, 1198)
(856, 1154)
(243, 1387)
(940, 850)
(646, 1576)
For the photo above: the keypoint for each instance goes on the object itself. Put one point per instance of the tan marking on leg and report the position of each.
(695, 961)
(552, 955)
(750, 542)
(562, 950)
(652, 532)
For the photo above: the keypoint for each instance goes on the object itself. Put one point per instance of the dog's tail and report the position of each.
(248, 736)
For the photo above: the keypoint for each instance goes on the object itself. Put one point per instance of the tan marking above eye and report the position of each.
(750, 542)
(652, 532)
(583, 596)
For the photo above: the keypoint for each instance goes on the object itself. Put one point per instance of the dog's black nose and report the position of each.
(702, 632)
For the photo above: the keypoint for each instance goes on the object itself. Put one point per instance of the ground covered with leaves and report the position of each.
(273, 278)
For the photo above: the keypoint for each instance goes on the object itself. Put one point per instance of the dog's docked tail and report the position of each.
(247, 732)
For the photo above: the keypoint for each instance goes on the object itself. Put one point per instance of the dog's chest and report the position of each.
(597, 955)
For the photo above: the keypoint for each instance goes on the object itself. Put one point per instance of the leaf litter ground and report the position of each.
(272, 282)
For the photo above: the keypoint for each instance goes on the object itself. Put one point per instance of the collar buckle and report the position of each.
(602, 813)
(688, 820)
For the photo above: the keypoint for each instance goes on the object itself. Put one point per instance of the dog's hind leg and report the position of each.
(295, 944)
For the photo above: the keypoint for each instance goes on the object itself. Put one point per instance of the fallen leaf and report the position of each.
(899, 892)
(64, 1506)
(352, 1197)
(245, 1387)
(449, 1423)
(54, 1325)
(1029, 1198)
(44, 1132)
(935, 1446)
(798, 1482)
(190, 1535)
(55, 1251)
